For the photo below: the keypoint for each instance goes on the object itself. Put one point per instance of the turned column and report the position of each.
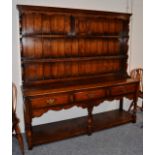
(90, 120)
(121, 104)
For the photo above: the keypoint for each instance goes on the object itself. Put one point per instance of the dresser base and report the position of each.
(77, 126)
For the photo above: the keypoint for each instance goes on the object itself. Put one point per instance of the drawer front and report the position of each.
(123, 89)
(89, 95)
(50, 100)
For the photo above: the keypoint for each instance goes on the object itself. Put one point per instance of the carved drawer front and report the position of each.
(124, 89)
(50, 100)
(90, 94)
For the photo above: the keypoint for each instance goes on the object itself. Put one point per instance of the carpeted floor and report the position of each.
(122, 140)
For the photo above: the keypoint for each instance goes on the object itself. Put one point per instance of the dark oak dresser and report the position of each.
(72, 57)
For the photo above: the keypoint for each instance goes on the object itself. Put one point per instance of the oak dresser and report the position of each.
(72, 57)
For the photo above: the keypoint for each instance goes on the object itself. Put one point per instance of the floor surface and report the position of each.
(122, 140)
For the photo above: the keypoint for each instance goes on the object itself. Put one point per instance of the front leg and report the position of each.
(90, 120)
(121, 104)
(28, 125)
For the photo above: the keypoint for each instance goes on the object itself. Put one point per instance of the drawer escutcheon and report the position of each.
(51, 101)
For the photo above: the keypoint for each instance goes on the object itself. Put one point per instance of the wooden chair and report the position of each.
(15, 120)
(138, 74)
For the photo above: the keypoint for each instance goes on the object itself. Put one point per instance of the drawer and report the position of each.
(124, 89)
(89, 95)
(50, 100)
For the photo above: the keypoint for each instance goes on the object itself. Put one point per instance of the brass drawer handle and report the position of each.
(51, 101)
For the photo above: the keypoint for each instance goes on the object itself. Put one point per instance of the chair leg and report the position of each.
(19, 138)
(121, 104)
(131, 105)
(142, 106)
(138, 107)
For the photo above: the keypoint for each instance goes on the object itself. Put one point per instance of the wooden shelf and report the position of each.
(74, 127)
(78, 36)
(73, 59)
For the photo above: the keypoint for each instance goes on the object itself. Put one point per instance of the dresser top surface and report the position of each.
(62, 89)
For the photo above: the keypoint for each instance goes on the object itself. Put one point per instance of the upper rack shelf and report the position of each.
(73, 59)
(73, 36)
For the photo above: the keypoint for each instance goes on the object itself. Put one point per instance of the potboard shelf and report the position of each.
(78, 126)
